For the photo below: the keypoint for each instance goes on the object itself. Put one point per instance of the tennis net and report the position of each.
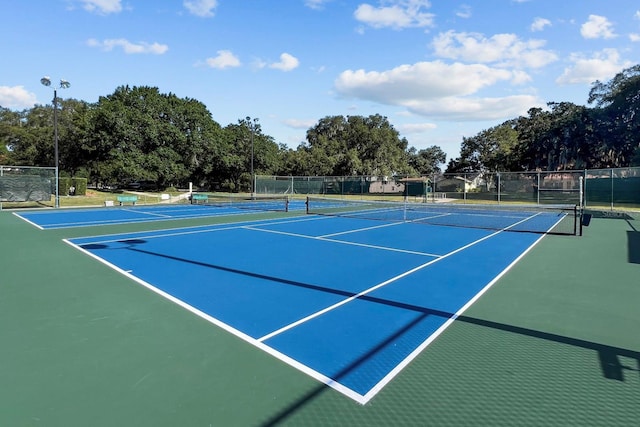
(546, 219)
(277, 203)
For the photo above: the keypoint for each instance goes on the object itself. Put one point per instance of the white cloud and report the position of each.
(287, 63)
(471, 109)
(637, 15)
(129, 47)
(396, 14)
(421, 80)
(102, 6)
(539, 24)
(520, 77)
(597, 27)
(203, 8)
(502, 49)
(225, 59)
(16, 97)
(634, 37)
(602, 65)
(436, 89)
(316, 4)
(412, 128)
(464, 11)
(300, 124)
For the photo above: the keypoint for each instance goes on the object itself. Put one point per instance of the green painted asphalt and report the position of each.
(553, 343)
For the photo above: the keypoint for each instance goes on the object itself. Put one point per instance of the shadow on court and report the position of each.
(615, 362)
(609, 357)
(633, 244)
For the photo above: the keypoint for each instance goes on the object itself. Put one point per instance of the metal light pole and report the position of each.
(46, 80)
(252, 126)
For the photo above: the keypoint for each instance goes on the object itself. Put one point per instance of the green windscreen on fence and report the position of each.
(20, 184)
(613, 187)
(342, 185)
(25, 188)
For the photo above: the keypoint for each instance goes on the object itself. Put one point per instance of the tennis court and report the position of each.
(289, 318)
(148, 213)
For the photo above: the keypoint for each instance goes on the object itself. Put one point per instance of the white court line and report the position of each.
(380, 285)
(211, 212)
(148, 213)
(342, 242)
(27, 221)
(395, 371)
(362, 399)
(171, 232)
(269, 350)
(357, 230)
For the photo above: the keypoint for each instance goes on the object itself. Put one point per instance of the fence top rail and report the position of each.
(11, 167)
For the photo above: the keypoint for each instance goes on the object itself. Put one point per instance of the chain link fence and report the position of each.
(595, 188)
(613, 188)
(369, 186)
(20, 184)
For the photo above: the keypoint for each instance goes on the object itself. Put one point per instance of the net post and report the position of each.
(584, 188)
(306, 203)
(581, 190)
(611, 179)
(464, 187)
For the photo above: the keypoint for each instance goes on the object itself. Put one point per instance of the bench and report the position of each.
(127, 199)
(201, 197)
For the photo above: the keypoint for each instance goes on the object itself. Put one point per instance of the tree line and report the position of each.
(140, 134)
(565, 136)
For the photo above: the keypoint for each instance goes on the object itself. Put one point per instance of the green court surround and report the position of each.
(555, 342)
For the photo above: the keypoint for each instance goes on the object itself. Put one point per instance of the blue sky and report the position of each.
(439, 70)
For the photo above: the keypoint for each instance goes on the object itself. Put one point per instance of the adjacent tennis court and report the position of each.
(223, 207)
(373, 303)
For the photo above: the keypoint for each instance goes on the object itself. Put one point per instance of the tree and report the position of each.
(492, 150)
(356, 145)
(618, 105)
(562, 138)
(73, 125)
(267, 157)
(29, 137)
(140, 134)
(10, 125)
(427, 161)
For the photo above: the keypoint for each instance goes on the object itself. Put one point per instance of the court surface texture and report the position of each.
(242, 318)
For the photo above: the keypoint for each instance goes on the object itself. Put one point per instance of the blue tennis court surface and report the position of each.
(67, 218)
(348, 301)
